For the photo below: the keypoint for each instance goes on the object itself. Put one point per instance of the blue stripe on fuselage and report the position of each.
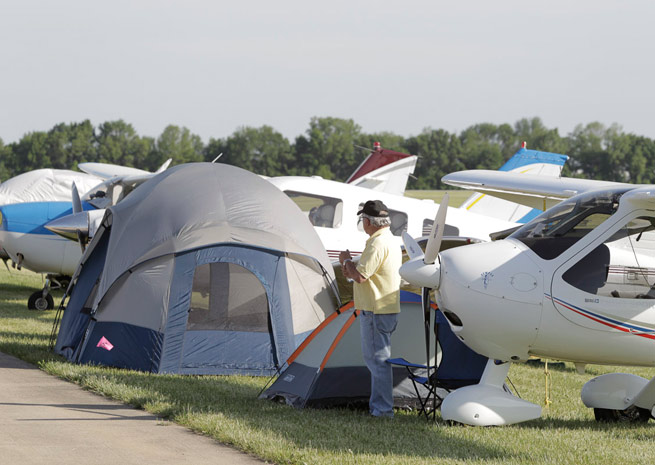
(30, 217)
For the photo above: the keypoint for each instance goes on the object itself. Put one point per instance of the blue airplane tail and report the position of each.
(524, 161)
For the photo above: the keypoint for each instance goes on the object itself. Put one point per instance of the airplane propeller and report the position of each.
(77, 202)
(419, 261)
(82, 237)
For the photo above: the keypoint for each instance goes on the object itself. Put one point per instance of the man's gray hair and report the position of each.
(378, 221)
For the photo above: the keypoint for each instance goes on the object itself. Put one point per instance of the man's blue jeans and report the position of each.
(376, 347)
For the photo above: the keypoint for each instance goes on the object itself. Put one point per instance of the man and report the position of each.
(376, 292)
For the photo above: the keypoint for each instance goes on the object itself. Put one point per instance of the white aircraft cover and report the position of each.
(45, 185)
(197, 204)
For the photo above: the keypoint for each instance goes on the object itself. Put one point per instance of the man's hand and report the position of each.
(344, 255)
(348, 268)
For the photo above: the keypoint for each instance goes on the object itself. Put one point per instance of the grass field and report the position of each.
(457, 196)
(226, 408)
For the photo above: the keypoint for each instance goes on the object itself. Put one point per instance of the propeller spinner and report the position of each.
(421, 269)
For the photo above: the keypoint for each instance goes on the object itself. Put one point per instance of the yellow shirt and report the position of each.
(379, 264)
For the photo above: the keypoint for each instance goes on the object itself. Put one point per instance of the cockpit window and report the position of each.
(325, 212)
(558, 228)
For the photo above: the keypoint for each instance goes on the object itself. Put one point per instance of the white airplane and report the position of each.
(38, 198)
(576, 283)
(332, 206)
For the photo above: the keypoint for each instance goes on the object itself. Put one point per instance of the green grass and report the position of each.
(457, 196)
(226, 408)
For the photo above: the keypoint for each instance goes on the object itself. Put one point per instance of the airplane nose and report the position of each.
(69, 225)
(493, 296)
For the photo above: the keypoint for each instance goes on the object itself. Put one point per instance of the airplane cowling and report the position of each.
(493, 297)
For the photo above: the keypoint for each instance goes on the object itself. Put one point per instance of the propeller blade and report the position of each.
(81, 238)
(411, 246)
(425, 302)
(77, 203)
(434, 242)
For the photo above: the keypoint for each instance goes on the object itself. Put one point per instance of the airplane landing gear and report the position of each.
(42, 300)
(38, 301)
(632, 414)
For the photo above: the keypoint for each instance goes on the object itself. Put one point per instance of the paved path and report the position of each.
(44, 420)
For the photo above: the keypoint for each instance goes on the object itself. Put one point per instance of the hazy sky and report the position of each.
(214, 66)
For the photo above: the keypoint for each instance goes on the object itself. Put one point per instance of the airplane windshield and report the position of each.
(558, 228)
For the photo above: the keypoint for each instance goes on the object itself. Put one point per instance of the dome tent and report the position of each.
(204, 269)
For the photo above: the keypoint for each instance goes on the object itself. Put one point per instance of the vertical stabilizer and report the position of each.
(524, 161)
(384, 170)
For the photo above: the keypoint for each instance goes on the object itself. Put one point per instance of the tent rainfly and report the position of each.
(328, 368)
(203, 269)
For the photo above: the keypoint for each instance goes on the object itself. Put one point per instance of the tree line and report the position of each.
(333, 147)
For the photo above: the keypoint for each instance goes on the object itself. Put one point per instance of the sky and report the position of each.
(215, 66)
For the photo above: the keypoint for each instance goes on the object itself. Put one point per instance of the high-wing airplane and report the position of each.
(577, 283)
(23, 236)
(43, 185)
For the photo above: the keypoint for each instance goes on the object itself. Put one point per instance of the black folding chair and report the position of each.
(459, 366)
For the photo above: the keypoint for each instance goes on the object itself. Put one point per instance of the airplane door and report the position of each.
(608, 292)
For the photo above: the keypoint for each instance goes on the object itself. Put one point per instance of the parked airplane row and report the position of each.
(27, 229)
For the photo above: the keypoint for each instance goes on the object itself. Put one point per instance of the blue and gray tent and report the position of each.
(204, 269)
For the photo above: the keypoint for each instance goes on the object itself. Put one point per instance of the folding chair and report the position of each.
(458, 366)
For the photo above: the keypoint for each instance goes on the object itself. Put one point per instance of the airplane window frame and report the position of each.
(559, 228)
(313, 210)
(601, 273)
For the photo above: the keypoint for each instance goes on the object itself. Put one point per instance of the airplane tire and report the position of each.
(630, 415)
(38, 302)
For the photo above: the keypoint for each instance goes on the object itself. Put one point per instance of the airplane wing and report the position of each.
(534, 191)
(384, 170)
(107, 170)
(524, 161)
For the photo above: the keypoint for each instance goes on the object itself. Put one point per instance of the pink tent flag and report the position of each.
(105, 344)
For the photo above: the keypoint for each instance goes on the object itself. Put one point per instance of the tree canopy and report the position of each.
(334, 147)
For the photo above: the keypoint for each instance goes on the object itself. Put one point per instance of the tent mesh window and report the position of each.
(227, 297)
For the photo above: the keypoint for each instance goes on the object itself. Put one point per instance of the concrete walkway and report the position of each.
(44, 420)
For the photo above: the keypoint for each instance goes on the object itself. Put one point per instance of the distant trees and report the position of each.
(332, 148)
(260, 150)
